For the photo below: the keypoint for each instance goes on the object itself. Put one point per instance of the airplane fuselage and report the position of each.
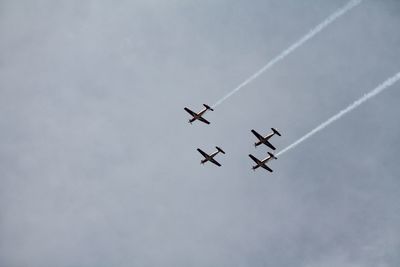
(209, 157)
(266, 160)
(196, 116)
(264, 139)
(200, 114)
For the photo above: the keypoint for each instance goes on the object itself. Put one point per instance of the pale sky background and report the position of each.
(98, 165)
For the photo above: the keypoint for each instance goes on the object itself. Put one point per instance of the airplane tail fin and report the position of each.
(208, 107)
(272, 155)
(275, 131)
(220, 150)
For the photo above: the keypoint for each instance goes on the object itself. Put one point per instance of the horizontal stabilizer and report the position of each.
(208, 107)
(275, 131)
(220, 150)
(272, 155)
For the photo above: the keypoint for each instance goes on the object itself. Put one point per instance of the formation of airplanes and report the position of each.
(261, 140)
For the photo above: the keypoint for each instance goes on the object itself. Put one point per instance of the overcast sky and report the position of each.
(99, 168)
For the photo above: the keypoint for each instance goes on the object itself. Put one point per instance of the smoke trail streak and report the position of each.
(389, 82)
(340, 12)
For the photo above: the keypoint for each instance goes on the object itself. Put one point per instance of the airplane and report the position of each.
(264, 140)
(210, 157)
(199, 115)
(262, 163)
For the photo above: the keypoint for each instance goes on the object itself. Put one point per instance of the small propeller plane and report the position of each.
(264, 140)
(199, 115)
(210, 157)
(262, 163)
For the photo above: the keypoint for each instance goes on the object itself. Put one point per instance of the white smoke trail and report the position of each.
(340, 12)
(343, 112)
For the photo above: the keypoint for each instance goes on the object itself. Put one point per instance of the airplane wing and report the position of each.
(203, 120)
(257, 135)
(256, 160)
(215, 162)
(267, 168)
(269, 145)
(205, 155)
(190, 112)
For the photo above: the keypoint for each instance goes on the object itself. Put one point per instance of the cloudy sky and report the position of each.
(98, 165)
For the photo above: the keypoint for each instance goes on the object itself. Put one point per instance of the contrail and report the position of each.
(337, 14)
(389, 82)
